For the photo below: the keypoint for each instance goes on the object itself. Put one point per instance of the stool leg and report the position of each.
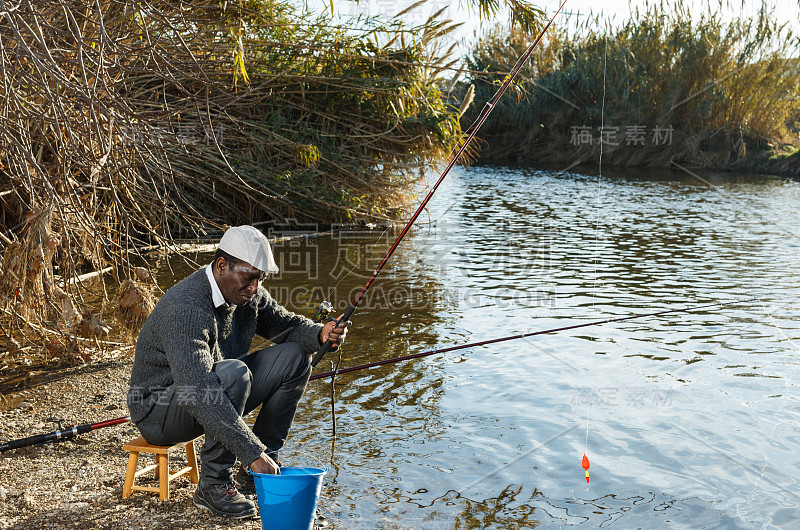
(191, 459)
(133, 461)
(163, 476)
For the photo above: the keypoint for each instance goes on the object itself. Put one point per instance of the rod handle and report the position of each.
(321, 353)
(55, 436)
(30, 440)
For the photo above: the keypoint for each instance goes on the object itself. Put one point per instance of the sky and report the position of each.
(618, 11)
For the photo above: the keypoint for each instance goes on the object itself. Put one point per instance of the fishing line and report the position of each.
(585, 460)
(334, 371)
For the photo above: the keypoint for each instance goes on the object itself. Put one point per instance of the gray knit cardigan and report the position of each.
(185, 335)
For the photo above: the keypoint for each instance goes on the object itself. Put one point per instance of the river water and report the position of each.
(688, 419)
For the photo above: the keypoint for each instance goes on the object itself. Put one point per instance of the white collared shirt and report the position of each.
(216, 294)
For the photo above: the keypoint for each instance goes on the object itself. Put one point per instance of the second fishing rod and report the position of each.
(326, 307)
(392, 360)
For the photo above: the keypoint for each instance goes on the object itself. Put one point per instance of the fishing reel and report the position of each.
(323, 313)
(57, 421)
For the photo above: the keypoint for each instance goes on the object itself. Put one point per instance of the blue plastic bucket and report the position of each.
(289, 500)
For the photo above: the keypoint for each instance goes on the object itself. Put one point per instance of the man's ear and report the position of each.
(218, 264)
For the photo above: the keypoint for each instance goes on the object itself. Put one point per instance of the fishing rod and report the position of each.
(63, 433)
(326, 307)
(519, 336)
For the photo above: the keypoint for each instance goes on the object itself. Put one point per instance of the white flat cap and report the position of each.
(250, 245)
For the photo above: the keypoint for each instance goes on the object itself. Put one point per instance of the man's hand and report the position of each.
(264, 464)
(334, 334)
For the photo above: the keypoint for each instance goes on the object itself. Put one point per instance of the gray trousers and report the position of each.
(274, 378)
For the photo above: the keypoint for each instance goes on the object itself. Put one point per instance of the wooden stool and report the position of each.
(161, 467)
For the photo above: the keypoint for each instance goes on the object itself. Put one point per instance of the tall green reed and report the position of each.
(666, 67)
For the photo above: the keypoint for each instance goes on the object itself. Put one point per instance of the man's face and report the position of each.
(239, 282)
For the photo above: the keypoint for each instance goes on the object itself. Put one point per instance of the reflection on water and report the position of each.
(691, 419)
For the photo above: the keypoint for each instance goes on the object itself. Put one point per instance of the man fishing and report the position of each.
(192, 373)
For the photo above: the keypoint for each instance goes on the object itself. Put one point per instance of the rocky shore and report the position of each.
(78, 483)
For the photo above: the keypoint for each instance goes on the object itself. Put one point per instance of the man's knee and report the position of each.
(234, 376)
(301, 362)
(282, 362)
